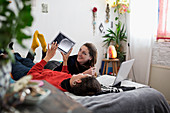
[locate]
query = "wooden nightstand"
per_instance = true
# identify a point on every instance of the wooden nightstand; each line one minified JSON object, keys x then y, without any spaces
{"x":114,"y":65}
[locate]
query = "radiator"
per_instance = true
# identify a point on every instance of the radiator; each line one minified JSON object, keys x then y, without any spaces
{"x":160,"y":79}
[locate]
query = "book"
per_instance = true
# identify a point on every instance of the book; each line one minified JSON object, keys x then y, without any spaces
{"x":64,"y":43}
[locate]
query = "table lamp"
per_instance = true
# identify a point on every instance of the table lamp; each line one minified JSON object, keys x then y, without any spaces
{"x":112,"y":52}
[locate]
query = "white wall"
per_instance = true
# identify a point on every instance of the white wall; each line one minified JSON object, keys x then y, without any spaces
{"x":71,"y":17}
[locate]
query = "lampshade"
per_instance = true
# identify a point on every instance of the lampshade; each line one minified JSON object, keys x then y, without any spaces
{"x":112,"y":51}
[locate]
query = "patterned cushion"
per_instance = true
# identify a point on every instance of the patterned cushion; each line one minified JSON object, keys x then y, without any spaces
{"x":52,"y":64}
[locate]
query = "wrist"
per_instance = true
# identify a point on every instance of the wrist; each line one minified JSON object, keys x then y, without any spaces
{"x":46,"y":59}
{"x":64,"y":63}
{"x":84,"y":72}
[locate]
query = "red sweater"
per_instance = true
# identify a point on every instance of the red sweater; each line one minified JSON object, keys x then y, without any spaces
{"x":53,"y":77}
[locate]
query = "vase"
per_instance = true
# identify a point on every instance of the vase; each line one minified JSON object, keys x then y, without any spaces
{"x":5,"y":70}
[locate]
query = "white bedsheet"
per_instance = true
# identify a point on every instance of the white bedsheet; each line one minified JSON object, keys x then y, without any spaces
{"x":108,"y":80}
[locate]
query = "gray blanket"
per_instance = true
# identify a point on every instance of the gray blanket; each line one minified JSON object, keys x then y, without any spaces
{"x":143,"y":100}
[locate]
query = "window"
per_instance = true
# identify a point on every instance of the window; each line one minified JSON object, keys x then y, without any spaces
{"x":164,"y":20}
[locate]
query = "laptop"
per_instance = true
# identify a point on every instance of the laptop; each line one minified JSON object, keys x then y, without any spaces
{"x":123,"y":72}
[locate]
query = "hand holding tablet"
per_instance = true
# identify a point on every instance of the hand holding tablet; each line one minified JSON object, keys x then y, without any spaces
{"x":64,"y":43}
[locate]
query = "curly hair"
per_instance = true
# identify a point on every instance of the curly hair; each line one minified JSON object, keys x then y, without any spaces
{"x":89,"y":86}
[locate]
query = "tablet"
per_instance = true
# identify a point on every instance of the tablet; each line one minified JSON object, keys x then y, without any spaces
{"x":64,"y":43}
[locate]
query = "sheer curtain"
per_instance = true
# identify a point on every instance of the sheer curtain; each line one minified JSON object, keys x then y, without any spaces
{"x":142,"y":26}
{"x":164,"y":20}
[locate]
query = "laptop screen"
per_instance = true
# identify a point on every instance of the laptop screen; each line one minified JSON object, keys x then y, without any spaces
{"x":124,"y":71}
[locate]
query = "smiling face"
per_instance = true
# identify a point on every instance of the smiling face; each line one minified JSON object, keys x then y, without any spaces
{"x":83,"y":55}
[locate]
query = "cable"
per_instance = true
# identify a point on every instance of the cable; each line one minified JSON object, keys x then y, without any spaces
{"x":130,"y":53}
{"x":132,"y":66}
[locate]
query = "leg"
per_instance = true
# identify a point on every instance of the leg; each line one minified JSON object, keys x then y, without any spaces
{"x":24,"y":61}
{"x":35,"y":42}
{"x":43,"y":42}
{"x":104,"y":67}
{"x":17,"y":56}
{"x":43,"y":54}
{"x":19,"y":70}
{"x":27,"y":62}
{"x":116,"y":63}
{"x":31,"y":55}
{"x":113,"y":67}
{"x":34,"y":45}
{"x":11,"y":45}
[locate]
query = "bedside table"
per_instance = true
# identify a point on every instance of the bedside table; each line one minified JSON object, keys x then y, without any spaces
{"x":114,"y":65}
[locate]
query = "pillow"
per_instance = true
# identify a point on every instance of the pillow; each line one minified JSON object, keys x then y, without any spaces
{"x":52,"y":64}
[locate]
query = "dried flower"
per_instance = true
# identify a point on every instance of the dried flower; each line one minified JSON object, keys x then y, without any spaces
{"x":94,"y":9}
{"x":123,"y":8}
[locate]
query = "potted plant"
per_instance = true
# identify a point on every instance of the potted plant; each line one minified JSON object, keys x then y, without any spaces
{"x":15,"y":18}
{"x":119,"y":35}
{"x":116,"y":37}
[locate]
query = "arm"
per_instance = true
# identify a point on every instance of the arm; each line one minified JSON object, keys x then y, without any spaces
{"x":65,"y":57}
{"x":90,"y":71}
{"x":65,"y":69}
{"x":51,"y":51}
{"x":37,"y":69}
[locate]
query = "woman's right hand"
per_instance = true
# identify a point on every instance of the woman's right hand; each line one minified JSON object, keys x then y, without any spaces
{"x":65,"y":57}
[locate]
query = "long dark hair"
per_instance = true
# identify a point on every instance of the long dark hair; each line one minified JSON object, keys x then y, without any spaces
{"x":93,"y":53}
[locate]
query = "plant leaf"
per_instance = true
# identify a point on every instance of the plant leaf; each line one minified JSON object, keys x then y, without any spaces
{"x":116,"y":18}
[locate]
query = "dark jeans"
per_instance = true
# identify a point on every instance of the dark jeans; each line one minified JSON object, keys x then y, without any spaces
{"x":21,"y":66}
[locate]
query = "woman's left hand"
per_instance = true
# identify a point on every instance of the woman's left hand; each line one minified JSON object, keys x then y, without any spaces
{"x":90,"y":71}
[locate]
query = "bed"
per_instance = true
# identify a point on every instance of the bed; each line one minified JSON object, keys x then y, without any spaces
{"x":141,"y":100}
